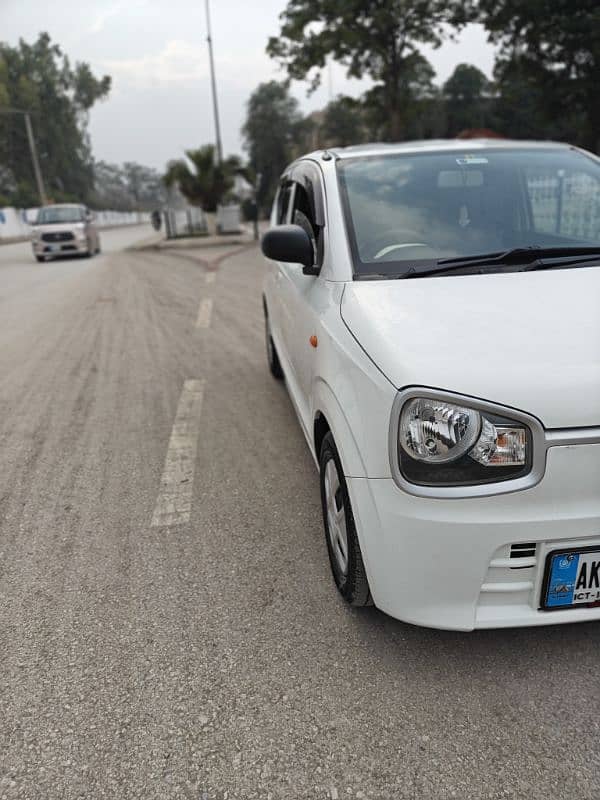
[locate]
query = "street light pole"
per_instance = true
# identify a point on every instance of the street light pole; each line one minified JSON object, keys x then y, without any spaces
{"x":36,"y":163}
{"x":34,"y":156}
{"x":214,"y":86}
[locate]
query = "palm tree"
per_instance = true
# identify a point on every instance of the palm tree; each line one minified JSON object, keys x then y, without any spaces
{"x":200,"y":179}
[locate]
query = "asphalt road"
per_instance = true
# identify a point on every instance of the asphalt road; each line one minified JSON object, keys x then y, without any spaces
{"x":168,"y":625}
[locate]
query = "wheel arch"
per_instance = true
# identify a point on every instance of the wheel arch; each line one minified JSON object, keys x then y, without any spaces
{"x":329,"y":416}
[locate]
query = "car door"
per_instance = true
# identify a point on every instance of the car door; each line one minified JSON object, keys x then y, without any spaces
{"x":274,"y":277}
{"x":302,"y":294}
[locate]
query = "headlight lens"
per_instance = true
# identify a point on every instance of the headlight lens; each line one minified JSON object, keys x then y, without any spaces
{"x":440,"y":442}
{"x":437,"y":432}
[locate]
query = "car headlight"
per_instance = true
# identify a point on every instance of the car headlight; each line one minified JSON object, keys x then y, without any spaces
{"x":442,"y":443}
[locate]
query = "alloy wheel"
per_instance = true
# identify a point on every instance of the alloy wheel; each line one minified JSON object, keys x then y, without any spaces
{"x":336,"y":517}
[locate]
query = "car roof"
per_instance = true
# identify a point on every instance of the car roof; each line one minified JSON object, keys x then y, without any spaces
{"x":438,"y":146}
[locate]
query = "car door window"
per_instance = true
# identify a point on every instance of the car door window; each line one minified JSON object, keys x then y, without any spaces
{"x":303,"y":215}
{"x":283,"y":202}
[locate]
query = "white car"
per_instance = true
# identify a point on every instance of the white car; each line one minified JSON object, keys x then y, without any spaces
{"x":434,"y":308}
{"x":64,"y":229}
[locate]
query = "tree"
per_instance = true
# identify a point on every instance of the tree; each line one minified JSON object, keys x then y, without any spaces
{"x":467,"y":95}
{"x":39,"y":78}
{"x":272,"y":129}
{"x":374,"y":38}
{"x":110,"y":187}
{"x":343,"y":123}
{"x":555,"y":46}
{"x":145,"y":185}
{"x":522,"y":104}
{"x":419,"y":98}
{"x":200,"y":179}
{"x":128,"y":187}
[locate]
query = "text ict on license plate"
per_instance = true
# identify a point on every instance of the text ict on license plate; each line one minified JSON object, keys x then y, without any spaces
{"x":573,"y":579}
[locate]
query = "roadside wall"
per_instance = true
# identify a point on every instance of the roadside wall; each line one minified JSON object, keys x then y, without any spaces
{"x":15,"y":222}
{"x":114,"y":219}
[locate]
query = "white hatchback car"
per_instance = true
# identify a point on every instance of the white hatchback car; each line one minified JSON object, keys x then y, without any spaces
{"x":64,"y":229}
{"x":434,"y":308}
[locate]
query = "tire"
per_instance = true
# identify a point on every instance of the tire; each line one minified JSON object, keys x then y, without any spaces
{"x":340,"y":531}
{"x":88,"y":253}
{"x":98,"y":248}
{"x":272,"y":357}
{"x":40,"y":259}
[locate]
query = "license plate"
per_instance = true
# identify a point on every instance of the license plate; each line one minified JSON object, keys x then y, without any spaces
{"x":54,"y":248}
{"x":572,"y":579}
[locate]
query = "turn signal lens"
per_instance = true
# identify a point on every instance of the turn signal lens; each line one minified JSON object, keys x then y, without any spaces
{"x":500,"y":446}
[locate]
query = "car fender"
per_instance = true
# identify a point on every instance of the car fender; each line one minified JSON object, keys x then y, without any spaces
{"x":326,"y":403}
{"x":353,"y":465}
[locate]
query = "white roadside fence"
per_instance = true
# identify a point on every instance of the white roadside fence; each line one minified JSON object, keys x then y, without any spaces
{"x":190,"y":221}
{"x":15,"y":223}
{"x":229,"y":219}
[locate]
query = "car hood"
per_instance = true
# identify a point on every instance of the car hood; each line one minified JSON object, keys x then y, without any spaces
{"x":58,"y":227}
{"x":529,"y":340}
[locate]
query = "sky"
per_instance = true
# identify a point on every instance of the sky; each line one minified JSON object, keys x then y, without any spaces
{"x":156,"y":52}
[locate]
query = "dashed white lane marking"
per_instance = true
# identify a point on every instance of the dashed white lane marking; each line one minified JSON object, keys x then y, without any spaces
{"x":204,"y":313}
{"x":174,"y":502}
{"x":211,"y":277}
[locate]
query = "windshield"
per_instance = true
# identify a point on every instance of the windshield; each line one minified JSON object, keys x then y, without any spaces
{"x":48,"y":216}
{"x":405,"y":211}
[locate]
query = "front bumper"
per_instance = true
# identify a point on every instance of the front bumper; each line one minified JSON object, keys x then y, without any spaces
{"x":50,"y":249}
{"x":445,"y":563}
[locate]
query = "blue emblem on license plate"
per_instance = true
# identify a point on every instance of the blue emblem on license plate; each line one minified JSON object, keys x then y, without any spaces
{"x":562,"y":579}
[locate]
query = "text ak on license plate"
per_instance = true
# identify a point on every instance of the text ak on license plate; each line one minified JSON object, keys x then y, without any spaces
{"x":572,"y":579}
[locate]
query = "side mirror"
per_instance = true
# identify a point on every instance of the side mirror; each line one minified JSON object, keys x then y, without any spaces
{"x":289,"y":243}
{"x":90,"y":216}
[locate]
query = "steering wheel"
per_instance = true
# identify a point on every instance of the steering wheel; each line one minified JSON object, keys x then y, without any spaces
{"x":389,"y":239}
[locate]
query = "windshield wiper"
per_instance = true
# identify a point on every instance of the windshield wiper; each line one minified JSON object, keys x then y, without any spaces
{"x":564,"y":261}
{"x":532,"y":257}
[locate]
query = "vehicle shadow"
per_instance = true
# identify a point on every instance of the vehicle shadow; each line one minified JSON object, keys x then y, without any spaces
{"x":512,"y":647}
{"x":66,"y":257}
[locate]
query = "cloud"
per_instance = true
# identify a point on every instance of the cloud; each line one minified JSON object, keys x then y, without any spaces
{"x":102,"y":17}
{"x":178,"y":62}
{"x":113,"y":10}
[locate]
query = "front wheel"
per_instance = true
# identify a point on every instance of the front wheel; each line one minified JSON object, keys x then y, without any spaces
{"x":40,"y":259}
{"x":345,"y":556}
